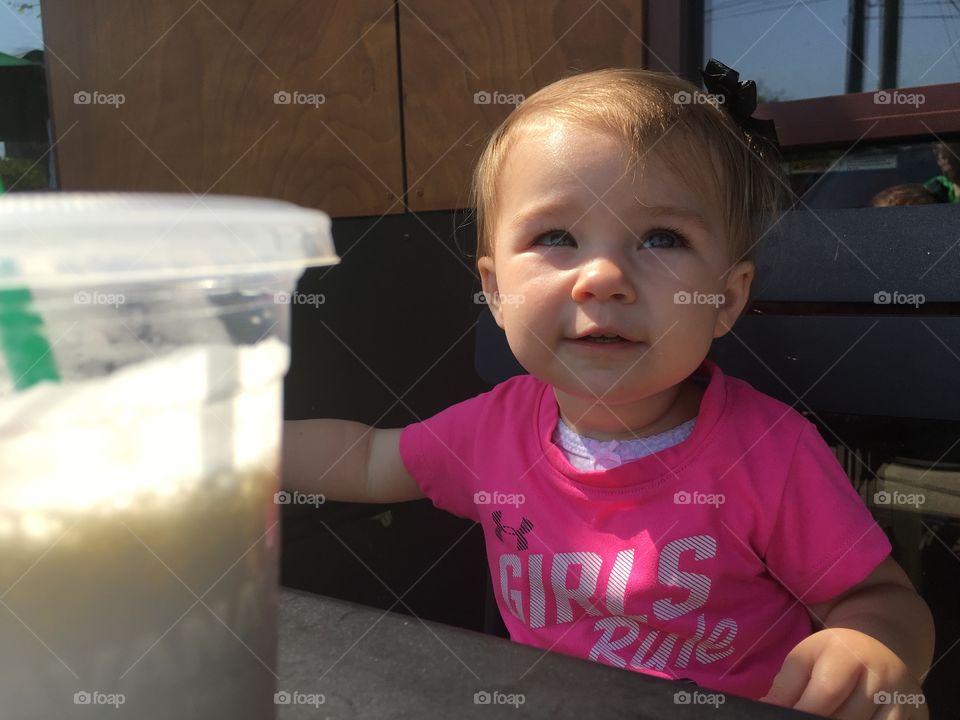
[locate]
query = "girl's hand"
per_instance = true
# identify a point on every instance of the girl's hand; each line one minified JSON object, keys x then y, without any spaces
{"x":844,"y":673}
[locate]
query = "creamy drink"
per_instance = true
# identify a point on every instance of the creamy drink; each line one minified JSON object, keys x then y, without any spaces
{"x":143,"y":344}
{"x":138,"y":540}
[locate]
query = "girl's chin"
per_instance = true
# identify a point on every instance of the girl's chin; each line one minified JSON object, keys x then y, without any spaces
{"x":604,"y":390}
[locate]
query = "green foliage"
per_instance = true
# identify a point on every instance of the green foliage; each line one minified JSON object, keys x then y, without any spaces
{"x":766,"y":95}
{"x":17,"y":174}
{"x":23,"y":7}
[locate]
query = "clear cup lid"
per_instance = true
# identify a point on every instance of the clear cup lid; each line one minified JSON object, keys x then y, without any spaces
{"x":60,"y":239}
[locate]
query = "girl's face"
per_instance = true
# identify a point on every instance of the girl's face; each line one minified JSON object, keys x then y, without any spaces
{"x":581,"y":243}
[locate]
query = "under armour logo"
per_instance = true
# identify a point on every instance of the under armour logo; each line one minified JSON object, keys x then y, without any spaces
{"x":525,"y":527}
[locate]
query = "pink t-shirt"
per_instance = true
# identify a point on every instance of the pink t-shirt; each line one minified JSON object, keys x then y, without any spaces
{"x":686,"y":563}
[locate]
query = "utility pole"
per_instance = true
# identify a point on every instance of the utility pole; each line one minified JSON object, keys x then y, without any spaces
{"x":889,"y":43}
{"x":855,"y":44}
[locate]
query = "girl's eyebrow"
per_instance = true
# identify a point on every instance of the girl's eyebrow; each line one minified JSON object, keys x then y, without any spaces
{"x":675,"y":211}
{"x":549,"y":209}
{"x":552,"y":209}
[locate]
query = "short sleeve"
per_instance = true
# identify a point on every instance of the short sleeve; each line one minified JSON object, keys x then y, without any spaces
{"x":823,"y":539}
{"x":439,"y":453}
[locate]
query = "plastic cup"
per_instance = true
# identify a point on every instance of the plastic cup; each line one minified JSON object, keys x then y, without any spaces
{"x":139,"y":531}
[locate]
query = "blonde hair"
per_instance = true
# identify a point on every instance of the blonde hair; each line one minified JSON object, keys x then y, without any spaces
{"x":708,"y":150}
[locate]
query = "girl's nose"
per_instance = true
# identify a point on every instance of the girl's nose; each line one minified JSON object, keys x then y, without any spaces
{"x":602,"y":279}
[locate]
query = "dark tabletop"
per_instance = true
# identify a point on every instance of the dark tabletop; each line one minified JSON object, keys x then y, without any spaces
{"x":340,"y":660}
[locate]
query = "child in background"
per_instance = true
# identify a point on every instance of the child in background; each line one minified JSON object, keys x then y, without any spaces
{"x":640,"y":508}
{"x":946,"y":187}
{"x":906,"y":194}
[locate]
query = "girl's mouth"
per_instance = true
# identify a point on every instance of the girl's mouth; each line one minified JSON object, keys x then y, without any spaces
{"x":602,"y":339}
{"x":604,"y":344}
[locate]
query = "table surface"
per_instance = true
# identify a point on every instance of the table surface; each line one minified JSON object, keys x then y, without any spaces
{"x":370,"y":663}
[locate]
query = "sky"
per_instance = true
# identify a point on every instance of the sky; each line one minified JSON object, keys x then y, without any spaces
{"x":19,"y":32}
{"x":797,"y":49}
{"x":794,"y":48}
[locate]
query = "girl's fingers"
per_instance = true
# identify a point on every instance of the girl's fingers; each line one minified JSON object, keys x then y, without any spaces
{"x":860,"y":705}
{"x":790,"y":682}
{"x":833,"y":680}
{"x":890,"y":712}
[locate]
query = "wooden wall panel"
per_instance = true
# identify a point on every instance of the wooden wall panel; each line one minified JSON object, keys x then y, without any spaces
{"x":199,"y":79}
{"x":450,"y":51}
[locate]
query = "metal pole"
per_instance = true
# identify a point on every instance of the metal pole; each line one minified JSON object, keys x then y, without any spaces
{"x":889,"y":44}
{"x":857,"y":15}
{"x":695,"y":37}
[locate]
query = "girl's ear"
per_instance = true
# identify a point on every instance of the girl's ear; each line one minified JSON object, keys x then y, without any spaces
{"x":736,"y":294}
{"x":488,"y":281}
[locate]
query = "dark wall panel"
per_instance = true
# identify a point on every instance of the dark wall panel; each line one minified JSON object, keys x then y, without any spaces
{"x":397,"y":320}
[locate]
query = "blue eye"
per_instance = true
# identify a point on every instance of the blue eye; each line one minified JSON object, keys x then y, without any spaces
{"x":674,"y":236}
{"x":663,"y":238}
{"x":553,"y":234}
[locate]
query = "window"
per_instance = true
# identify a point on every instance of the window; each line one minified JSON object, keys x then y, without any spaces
{"x":882,"y":175}
{"x":798,"y":50}
{"x":802,"y":56}
{"x":25,"y":160}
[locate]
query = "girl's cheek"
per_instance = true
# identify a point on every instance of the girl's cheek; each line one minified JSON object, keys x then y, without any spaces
{"x":663,"y":280}
{"x":678,"y":274}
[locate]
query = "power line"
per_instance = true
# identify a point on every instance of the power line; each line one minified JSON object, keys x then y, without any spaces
{"x":953,"y":45}
{"x":714,"y":7}
{"x":749,"y":7}
{"x":917,"y":17}
{"x":765,"y":8}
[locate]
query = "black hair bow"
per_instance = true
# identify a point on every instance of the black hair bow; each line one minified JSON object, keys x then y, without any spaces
{"x":738,"y":98}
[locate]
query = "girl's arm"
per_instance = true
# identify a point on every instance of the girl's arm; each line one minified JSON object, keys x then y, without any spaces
{"x":887,"y":607}
{"x":870,"y":656}
{"x":345,"y":461}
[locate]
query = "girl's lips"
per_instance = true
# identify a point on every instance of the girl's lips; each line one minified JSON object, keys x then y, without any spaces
{"x":602,"y":331}
{"x":594,"y":346}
